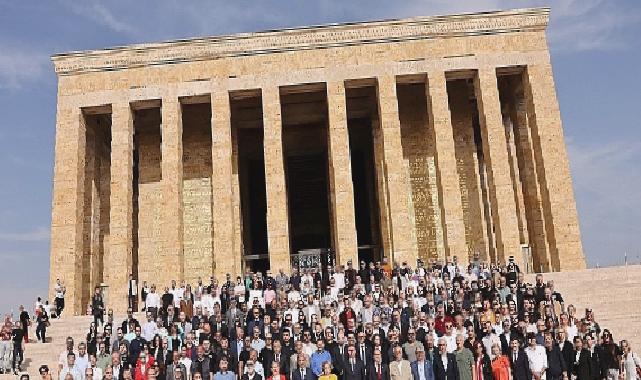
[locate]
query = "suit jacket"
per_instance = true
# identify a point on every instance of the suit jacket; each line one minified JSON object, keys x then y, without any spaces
{"x":308,"y":374}
{"x":372,"y":375}
{"x":583,"y":368}
{"x":357,"y":373}
{"x":369,"y":355}
{"x":429,"y":372}
{"x":505,"y":344}
{"x":568,"y":354}
{"x":439,"y":371}
{"x":595,"y":365}
{"x":520,"y":368}
{"x":404,"y":373}
{"x":270,"y":357}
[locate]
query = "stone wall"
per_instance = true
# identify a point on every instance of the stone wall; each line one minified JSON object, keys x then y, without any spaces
{"x":149,"y":212}
{"x":418,"y":150}
{"x":467,"y":165}
{"x":197,"y":195}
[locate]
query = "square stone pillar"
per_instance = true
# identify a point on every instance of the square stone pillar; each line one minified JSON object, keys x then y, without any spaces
{"x":559,"y":205}
{"x":404,"y":247}
{"x":340,"y":176}
{"x":67,"y":208}
{"x":172,"y":193}
{"x":226,"y":260}
{"x":275,"y":183}
{"x":118,"y":265}
{"x":449,"y":190}
{"x":500,"y":187}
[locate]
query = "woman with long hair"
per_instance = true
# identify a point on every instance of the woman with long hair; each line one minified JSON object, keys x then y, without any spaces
{"x":631,"y":363}
{"x":482,"y":364}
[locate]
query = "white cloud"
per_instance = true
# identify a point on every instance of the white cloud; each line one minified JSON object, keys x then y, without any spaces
{"x":20,"y":66}
{"x":98,"y":12}
{"x":38,"y":234}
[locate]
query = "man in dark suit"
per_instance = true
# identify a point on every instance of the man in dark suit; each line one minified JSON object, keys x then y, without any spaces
{"x":567,"y":350}
{"x":440,"y":372}
{"x":421,"y":368}
{"x":519,"y":362}
{"x":556,"y":368}
{"x":505,"y":337}
{"x":302,"y":372}
{"x":581,"y":363}
{"x":363,"y":350}
{"x":377,"y":370}
{"x":276,"y":355}
{"x":354,"y":367}
{"x":595,"y":359}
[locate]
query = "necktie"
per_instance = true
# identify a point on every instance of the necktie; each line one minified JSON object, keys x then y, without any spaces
{"x":363,"y":353}
{"x":352,"y":365}
{"x":515,"y":357}
{"x":302,"y":373}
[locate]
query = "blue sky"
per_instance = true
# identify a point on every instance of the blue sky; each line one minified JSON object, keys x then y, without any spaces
{"x":596,"y":56}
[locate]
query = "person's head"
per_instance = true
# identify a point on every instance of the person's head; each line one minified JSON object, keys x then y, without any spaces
{"x":138,"y":331}
{"x":496,"y":350}
{"x":442,"y":346}
{"x":82,"y":349}
{"x":224,"y":363}
{"x":71,"y":359}
{"x":275,"y":368}
{"x":301,"y":360}
{"x":68,"y":376}
{"x":69,"y":343}
{"x":178,"y":372}
{"x":548,"y":341}
{"x":43,"y":370}
{"x":320,"y":345}
{"x":531,"y":339}
{"x":197,"y":375}
{"x":420,"y":353}
{"x":625,"y":346}
{"x":515,"y":345}
{"x":89,"y":373}
{"x":460,"y":341}
{"x":351,"y":351}
{"x":327,"y":368}
{"x":108,"y":373}
{"x":398,"y":353}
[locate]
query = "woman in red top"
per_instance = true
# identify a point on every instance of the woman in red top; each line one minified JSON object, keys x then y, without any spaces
{"x":276,"y":375}
{"x":143,"y":365}
{"x":500,"y":364}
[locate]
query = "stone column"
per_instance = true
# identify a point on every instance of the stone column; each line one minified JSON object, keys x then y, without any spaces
{"x":67,"y":208}
{"x":275,"y":184}
{"x":118,"y":265}
{"x":448,"y":178}
{"x":501,"y":190}
{"x":172,"y":193}
{"x":404,"y":247}
{"x":225,"y":259}
{"x":559,"y":205}
{"x":340,"y":176}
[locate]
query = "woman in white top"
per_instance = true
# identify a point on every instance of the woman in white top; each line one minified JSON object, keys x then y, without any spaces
{"x":630,"y":361}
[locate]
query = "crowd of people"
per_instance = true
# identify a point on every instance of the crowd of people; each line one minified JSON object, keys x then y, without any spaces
{"x":437,"y":321}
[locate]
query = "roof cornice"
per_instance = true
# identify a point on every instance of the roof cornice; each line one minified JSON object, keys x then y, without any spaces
{"x":303,"y":38}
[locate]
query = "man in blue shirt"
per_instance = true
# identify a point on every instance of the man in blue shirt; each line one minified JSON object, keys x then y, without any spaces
{"x":223,"y":373}
{"x":319,"y":357}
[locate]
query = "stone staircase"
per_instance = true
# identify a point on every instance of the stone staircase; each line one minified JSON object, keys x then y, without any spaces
{"x":613,"y":293}
{"x":37,"y":353}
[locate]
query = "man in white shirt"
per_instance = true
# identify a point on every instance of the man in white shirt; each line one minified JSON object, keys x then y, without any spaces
{"x":71,"y":368}
{"x":132,"y":294}
{"x":153,"y":301}
{"x":62,"y":359}
{"x":82,"y":359}
{"x":97,"y":371}
{"x":149,"y":328}
{"x":537,"y":357}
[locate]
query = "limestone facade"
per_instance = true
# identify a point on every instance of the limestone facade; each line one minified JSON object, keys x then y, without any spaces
{"x":428,"y":137}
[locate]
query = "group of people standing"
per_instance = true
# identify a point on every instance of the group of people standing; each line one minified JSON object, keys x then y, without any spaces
{"x":440,"y":321}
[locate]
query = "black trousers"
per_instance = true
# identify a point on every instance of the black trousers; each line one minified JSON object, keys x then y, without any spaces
{"x":17,"y":356}
{"x":41,"y":330}
{"x":133,"y":302}
{"x":98,"y":316}
{"x":60,"y":305}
